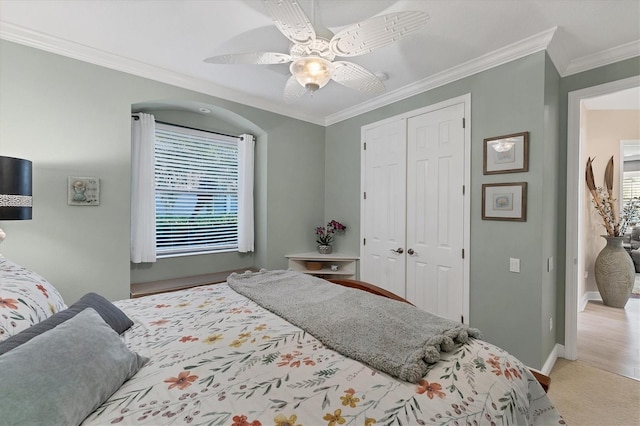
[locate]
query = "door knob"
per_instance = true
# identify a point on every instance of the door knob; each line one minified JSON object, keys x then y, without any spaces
{"x":399,"y":250}
{"x":411,"y":252}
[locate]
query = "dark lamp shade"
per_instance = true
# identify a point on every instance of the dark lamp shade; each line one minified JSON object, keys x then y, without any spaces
{"x":15,"y":189}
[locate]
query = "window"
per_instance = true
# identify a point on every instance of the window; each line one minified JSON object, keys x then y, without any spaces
{"x":630,"y":186}
{"x":630,"y":190}
{"x":196,"y":180}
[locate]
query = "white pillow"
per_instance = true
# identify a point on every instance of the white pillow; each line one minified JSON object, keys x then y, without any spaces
{"x":25,"y":298}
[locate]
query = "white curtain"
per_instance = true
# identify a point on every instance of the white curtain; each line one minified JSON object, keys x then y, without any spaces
{"x":143,"y":196}
{"x":245,"y":193}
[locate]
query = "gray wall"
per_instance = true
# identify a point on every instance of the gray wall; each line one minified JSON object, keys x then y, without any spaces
{"x":507,"y":307}
{"x":73,"y":118}
{"x":550,"y":221}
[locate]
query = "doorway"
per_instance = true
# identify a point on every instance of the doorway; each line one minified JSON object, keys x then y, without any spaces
{"x":575,"y":267}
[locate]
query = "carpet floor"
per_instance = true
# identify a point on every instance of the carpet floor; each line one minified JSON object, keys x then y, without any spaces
{"x":585,"y":395}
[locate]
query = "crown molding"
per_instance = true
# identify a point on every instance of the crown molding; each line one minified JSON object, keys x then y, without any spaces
{"x":24,"y":36}
{"x":557,"y":52}
{"x":493,"y":59}
{"x":546,"y":40}
{"x":606,"y":57}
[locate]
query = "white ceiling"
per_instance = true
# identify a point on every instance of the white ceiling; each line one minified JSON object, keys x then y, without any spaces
{"x":168,"y":40}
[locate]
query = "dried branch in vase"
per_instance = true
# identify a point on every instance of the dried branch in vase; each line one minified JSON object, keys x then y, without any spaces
{"x":605,"y":203}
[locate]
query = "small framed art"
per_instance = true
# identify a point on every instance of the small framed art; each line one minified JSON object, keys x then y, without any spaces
{"x":506,"y":154}
{"x":504,"y":201}
{"x":83,"y":191}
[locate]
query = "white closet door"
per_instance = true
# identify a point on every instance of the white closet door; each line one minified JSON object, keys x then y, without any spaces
{"x":435,"y":211}
{"x":384,"y":207}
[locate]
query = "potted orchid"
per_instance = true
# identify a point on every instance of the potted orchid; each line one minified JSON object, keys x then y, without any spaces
{"x":325,"y":235}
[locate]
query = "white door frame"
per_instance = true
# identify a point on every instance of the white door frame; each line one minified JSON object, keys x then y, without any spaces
{"x":466,"y":99}
{"x":574,"y":261}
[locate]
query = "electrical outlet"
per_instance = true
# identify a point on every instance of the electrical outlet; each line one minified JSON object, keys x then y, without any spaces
{"x":550,"y":264}
{"x":514,"y":265}
{"x":550,"y":323}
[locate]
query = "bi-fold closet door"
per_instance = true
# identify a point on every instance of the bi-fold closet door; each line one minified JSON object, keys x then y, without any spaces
{"x":413,"y":209}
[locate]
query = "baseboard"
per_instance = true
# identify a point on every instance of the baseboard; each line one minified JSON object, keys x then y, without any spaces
{"x":587,"y":297}
{"x":557,"y":352}
{"x":583,"y":302}
{"x":594,"y":295}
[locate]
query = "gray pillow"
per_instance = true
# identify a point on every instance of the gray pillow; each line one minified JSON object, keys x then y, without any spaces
{"x":63,"y":375}
{"x":109,"y":312}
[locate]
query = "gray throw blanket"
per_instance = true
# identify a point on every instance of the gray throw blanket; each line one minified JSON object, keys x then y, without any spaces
{"x":386,"y":334}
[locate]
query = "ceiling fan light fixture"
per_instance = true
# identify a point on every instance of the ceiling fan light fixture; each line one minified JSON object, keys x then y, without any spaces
{"x":314,"y":50}
{"x":312,"y":72}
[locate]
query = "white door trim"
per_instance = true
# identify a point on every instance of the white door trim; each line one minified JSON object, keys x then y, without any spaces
{"x":575,"y":197}
{"x":466,"y":99}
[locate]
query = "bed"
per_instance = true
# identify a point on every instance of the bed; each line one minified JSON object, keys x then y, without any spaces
{"x":212,"y":356}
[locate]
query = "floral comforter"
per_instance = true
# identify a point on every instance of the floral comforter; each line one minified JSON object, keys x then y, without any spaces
{"x":217,"y":358}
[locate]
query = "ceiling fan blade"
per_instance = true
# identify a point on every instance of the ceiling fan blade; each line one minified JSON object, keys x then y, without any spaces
{"x":291,"y":20}
{"x":356,"y":77}
{"x":376,"y":32}
{"x":293,"y":90}
{"x":257,"y":58}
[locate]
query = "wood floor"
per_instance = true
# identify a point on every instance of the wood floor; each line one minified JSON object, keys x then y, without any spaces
{"x":609,"y":338}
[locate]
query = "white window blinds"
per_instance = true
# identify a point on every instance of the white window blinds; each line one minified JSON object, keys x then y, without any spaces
{"x":196,"y":176}
{"x":630,"y":186}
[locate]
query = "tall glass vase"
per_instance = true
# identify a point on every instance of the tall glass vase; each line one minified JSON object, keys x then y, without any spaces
{"x":615,"y":273}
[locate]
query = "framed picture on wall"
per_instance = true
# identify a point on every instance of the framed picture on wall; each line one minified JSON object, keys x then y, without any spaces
{"x":504,"y":201}
{"x":83,"y":191}
{"x":506,"y":154}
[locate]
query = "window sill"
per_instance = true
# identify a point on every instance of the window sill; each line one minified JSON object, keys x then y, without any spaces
{"x":175,"y":284}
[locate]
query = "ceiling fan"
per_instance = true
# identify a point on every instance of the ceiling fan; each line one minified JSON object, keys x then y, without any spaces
{"x":312,"y":56}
